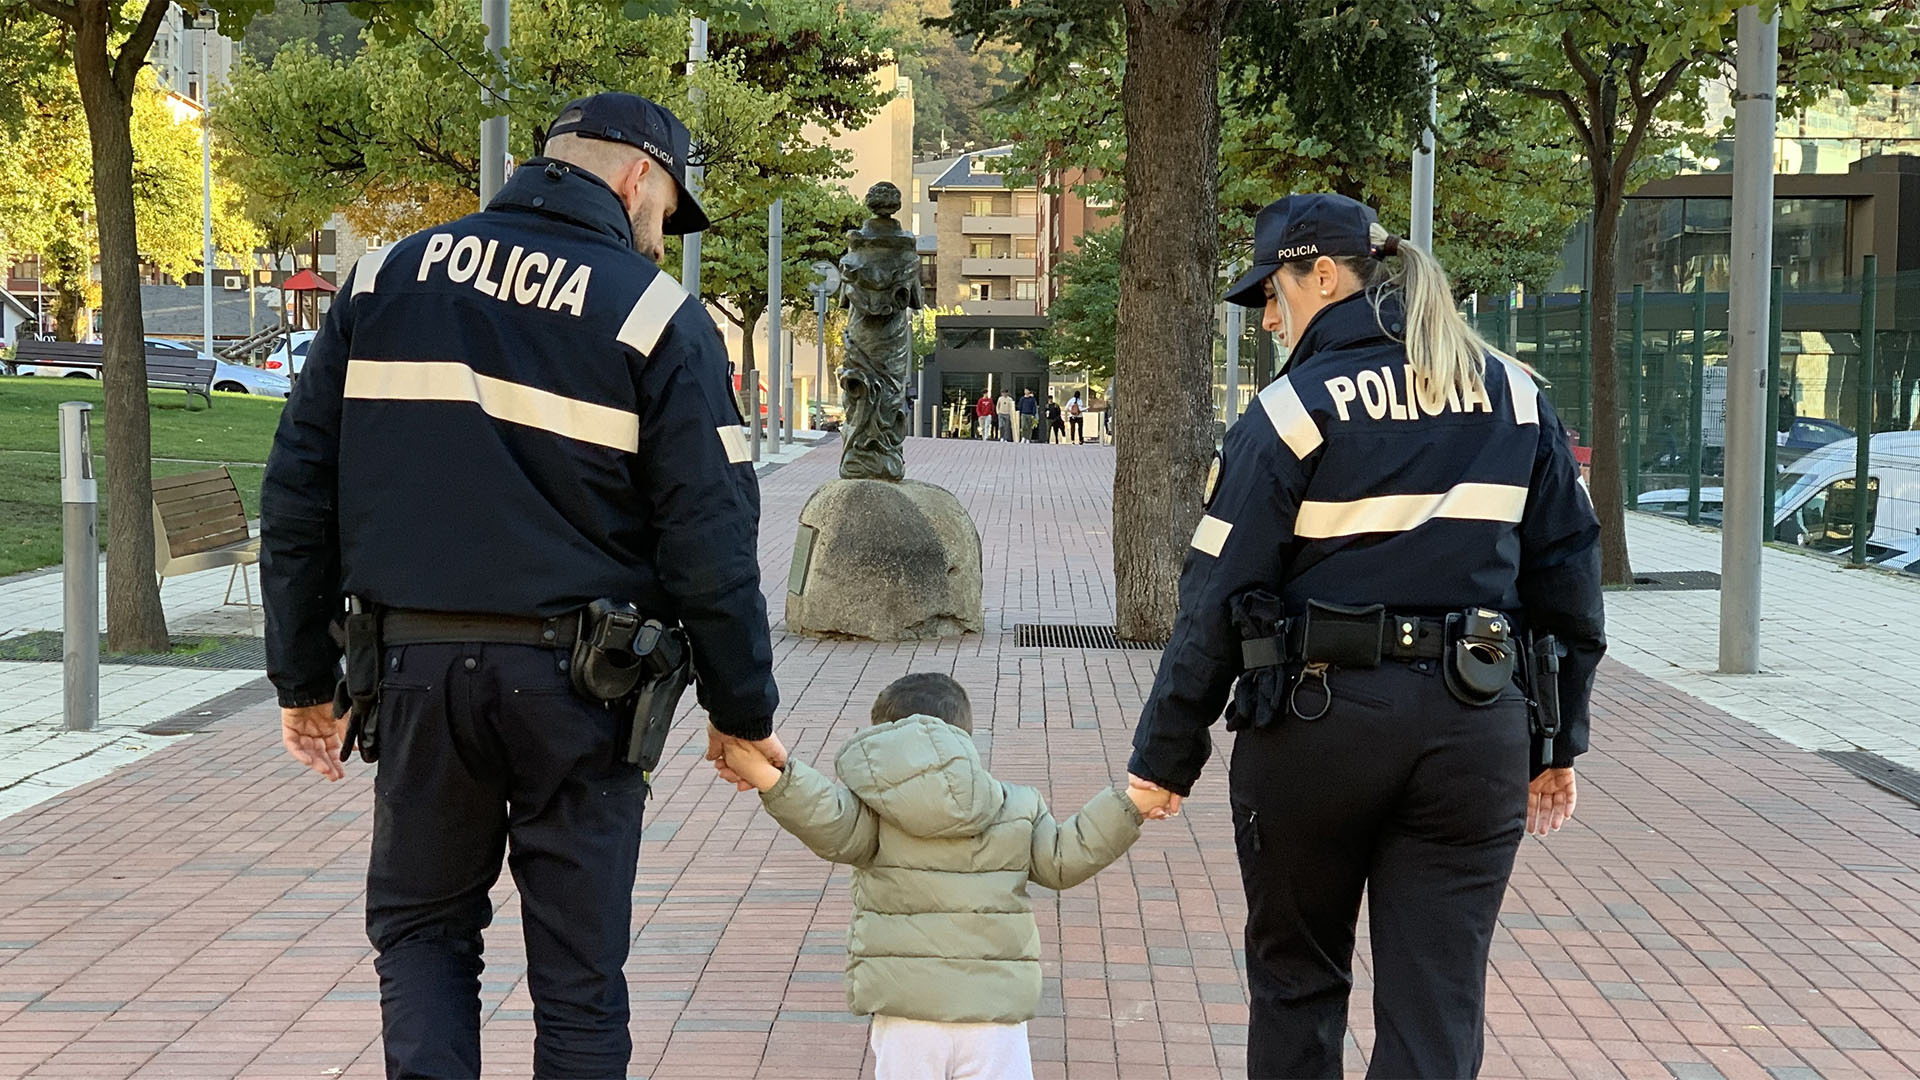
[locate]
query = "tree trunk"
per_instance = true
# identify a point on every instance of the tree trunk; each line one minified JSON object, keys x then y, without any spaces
{"x":1164,"y":323}
{"x":1609,"y":490}
{"x":135,"y":619}
{"x":749,"y":375}
{"x":68,"y":308}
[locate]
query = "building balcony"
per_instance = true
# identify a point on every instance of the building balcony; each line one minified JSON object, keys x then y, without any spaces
{"x":1001,"y":266}
{"x":1000,"y":307}
{"x":999,"y":225}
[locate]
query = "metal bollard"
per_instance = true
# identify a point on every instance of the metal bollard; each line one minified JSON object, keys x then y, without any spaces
{"x":80,"y":506}
{"x":754,"y":424}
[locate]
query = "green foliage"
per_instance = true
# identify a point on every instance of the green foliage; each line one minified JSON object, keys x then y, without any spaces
{"x":1080,"y":331}
{"x":328,"y":28}
{"x":390,"y":135}
{"x":815,"y":219}
{"x":954,"y":82}
{"x":46,"y":193}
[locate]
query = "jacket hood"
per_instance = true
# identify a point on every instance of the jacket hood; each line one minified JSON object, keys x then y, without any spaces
{"x":923,"y":776}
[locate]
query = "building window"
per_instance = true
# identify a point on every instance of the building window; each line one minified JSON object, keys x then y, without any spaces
{"x":919,"y":192}
{"x":982,"y":206}
{"x":980,"y":249}
{"x":979,"y":290}
{"x":1026,"y":289}
{"x":1023,"y":247}
{"x":1026,"y":204}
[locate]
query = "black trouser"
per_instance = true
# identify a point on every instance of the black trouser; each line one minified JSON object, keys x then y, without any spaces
{"x":485,"y":751}
{"x":1059,"y":431}
{"x":1403,"y":791}
{"x":1078,"y":424}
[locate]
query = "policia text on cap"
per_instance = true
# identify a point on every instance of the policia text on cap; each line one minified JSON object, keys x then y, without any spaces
{"x":1399,"y":565}
{"x":513,"y":471}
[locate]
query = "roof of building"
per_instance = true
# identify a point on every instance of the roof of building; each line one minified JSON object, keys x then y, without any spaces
{"x":19,"y":306}
{"x":962,"y":174}
{"x":174,"y":311}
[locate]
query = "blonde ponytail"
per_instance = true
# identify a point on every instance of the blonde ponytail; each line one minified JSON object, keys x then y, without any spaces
{"x":1447,"y":355}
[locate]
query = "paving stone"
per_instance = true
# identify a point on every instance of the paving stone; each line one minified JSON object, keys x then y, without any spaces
{"x":1716,"y":878}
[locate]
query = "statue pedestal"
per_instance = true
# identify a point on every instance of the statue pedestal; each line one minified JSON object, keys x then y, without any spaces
{"x":883,"y":561}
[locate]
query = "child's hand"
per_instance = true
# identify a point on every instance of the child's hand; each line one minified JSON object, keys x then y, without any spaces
{"x":1147,"y":800}
{"x":751,"y":764}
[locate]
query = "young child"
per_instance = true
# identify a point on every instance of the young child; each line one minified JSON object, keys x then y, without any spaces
{"x":943,"y":951}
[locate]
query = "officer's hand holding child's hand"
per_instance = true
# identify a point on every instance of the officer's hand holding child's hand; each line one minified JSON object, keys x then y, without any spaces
{"x":1154,"y":801}
{"x":312,"y":734}
{"x":1151,"y":802}
{"x":1550,"y":801}
{"x":749,"y":762}
{"x":770,"y":748}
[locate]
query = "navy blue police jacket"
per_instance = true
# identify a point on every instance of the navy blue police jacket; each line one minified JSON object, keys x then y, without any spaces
{"x":517,"y":414}
{"x":1338,"y":485}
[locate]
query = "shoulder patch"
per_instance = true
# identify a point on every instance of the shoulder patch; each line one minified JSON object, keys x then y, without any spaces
{"x":1290,"y":418}
{"x":651,"y":313}
{"x":366,"y":272}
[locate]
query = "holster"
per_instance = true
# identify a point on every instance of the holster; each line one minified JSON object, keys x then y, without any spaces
{"x":358,"y":695}
{"x":638,"y":666}
{"x":1260,"y":696}
{"x":668,"y":661}
{"x":1541,"y":653}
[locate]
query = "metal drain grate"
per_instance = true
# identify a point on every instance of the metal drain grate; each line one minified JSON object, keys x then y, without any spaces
{"x":1074,"y":636}
{"x":213,"y":652}
{"x":1878,"y":771}
{"x":1677,"y":581}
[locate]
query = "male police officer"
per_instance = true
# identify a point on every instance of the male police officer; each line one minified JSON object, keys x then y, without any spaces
{"x":504,"y":420}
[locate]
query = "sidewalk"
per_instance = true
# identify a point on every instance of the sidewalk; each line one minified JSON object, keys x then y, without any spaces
{"x":1727,"y":906}
{"x":1837,"y":645}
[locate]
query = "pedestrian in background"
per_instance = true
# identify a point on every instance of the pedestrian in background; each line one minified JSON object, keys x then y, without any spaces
{"x":1006,"y":415}
{"x":1376,"y":545}
{"x":1029,"y":409}
{"x":1076,"y":419}
{"x":983,"y":416}
{"x":1057,"y":430}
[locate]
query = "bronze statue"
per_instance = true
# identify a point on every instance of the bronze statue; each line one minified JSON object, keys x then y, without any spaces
{"x":880,"y":277}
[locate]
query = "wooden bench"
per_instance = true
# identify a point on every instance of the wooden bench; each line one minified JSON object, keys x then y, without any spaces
{"x":167,"y":369}
{"x":199,"y":523}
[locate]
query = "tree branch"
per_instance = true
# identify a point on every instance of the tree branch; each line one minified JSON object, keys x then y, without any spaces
{"x":1570,"y":107}
{"x":1643,"y":108}
{"x":133,"y":53}
{"x":66,"y":13}
{"x":1579,"y":62}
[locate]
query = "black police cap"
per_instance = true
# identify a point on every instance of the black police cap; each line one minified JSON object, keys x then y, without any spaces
{"x":1303,"y":227}
{"x":637,"y":122}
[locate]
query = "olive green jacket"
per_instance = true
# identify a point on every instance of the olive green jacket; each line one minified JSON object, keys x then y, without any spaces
{"x":942,"y":853}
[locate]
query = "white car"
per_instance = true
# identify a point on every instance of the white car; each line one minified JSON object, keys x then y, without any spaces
{"x":1813,"y":504}
{"x":290,"y":355}
{"x":227,"y":378}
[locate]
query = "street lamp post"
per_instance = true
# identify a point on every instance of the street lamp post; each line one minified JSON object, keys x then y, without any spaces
{"x":204,"y":21}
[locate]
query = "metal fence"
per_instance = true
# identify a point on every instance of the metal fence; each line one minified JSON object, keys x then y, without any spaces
{"x":1843,"y":403}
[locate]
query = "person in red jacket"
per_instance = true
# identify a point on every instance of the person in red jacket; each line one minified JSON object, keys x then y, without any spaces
{"x":983,"y":415}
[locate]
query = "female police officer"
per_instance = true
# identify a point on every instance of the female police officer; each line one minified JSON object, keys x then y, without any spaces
{"x":1389,"y":526}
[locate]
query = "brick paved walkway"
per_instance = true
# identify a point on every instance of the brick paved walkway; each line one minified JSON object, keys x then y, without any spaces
{"x":1727,"y":906}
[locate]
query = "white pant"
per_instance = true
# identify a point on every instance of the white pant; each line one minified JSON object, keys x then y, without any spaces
{"x":928,"y":1050}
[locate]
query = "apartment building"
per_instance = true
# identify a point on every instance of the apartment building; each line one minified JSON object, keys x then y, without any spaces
{"x":987,"y":238}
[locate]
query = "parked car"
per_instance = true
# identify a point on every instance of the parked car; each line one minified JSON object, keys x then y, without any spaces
{"x":1813,"y":505}
{"x":290,"y":355}
{"x":227,"y":378}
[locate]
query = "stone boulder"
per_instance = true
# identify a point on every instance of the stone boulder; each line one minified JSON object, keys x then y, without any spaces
{"x":882,"y":560}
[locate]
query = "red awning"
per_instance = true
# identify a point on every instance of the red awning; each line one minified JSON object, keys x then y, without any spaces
{"x":308,"y":281}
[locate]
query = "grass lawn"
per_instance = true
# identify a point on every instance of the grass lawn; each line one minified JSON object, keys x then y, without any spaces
{"x":236,"y":432}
